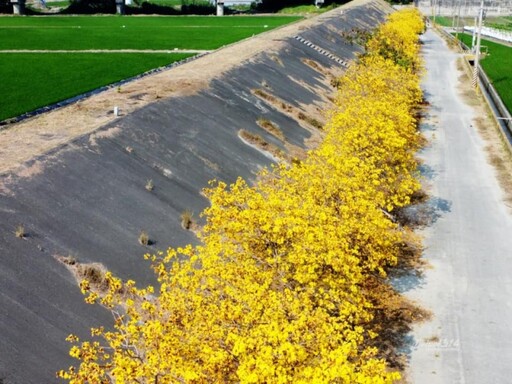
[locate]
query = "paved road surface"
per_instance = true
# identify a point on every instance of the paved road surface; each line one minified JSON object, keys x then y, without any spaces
{"x":469,"y":287}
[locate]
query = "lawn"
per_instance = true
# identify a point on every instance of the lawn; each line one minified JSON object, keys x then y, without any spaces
{"x":498,"y":66}
{"x":33,"y":80}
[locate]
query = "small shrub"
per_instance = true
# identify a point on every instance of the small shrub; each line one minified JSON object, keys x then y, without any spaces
{"x":20,"y":231}
{"x":187,"y":219}
{"x":144,"y":238}
{"x":149,"y":185}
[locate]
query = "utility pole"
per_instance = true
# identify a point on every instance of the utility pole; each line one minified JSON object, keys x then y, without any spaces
{"x":478,"y":37}
{"x":455,"y":6}
{"x":473,"y":40}
{"x":458,"y":21}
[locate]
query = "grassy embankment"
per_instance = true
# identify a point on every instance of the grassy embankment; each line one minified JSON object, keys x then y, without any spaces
{"x":33,"y":80}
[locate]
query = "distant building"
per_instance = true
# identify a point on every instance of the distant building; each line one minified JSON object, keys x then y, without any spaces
{"x":468,"y":7}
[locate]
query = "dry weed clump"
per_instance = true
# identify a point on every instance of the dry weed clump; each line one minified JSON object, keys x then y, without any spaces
{"x":277,"y":60}
{"x":272,"y":100}
{"x":94,"y":275}
{"x":310,"y":120}
{"x":264,"y":95}
{"x":313,"y":64}
{"x":187,"y":219}
{"x":271,"y":128}
{"x":144,"y":238}
{"x":261,"y":144}
{"x":19,"y":232}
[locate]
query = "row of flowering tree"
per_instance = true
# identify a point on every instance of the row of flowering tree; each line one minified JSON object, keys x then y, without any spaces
{"x":284,"y":286}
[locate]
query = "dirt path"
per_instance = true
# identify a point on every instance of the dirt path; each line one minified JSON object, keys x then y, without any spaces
{"x":469,"y":285}
{"x":23,"y":141}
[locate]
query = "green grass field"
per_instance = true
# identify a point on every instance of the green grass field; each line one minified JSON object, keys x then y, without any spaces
{"x":443,"y":21}
{"x":503,"y":23}
{"x":499,"y":22}
{"x":33,"y":80}
{"x":497,"y":65}
{"x":42,"y":79}
{"x":115,"y":32}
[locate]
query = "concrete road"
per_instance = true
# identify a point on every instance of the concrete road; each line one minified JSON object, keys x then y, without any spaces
{"x":469,"y":247}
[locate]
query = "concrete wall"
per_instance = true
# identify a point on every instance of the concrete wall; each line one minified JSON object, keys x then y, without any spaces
{"x":88,"y":198}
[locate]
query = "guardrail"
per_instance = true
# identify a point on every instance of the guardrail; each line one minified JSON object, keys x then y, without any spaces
{"x":501,"y":113}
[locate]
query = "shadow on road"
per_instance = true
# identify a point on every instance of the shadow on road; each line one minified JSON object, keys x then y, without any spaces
{"x":425,"y":213}
{"x":427,"y":172}
{"x":407,"y":280}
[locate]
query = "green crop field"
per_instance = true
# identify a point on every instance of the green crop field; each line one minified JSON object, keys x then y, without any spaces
{"x":34,"y":79}
{"x":443,"y":21}
{"x":500,"y":22}
{"x":504,"y":23}
{"x":114,"y":32}
{"x":498,"y":66}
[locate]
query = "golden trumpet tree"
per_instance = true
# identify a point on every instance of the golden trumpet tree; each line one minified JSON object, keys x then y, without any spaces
{"x":393,"y":39}
{"x":278,"y":290}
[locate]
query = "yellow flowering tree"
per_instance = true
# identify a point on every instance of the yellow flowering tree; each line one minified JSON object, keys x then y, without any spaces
{"x":284,"y":287}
